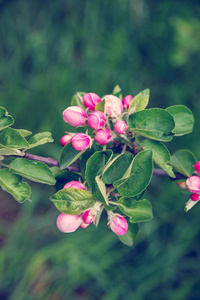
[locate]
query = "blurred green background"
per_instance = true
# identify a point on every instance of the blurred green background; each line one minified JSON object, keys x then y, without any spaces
{"x":51,"y":49}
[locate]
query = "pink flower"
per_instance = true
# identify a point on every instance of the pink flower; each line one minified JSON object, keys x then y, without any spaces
{"x":90,"y":100}
{"x":89,"y":216}
{"x":97,"y":120}
{"x":81,"y":141}
{"x":126,"y":101}
{"x":193,"y":184}
{"x":84,"y":225}
{"x":197,"y":167}
{"x":65,"y":139}
{"x":68,"y":223}
{"x":103,"y":136}
{"x":75,"y":116}
{"x":120,"y":127}
{"x":74,"y":184}
{"x":113,"y":106}
{"x":118,"y":224}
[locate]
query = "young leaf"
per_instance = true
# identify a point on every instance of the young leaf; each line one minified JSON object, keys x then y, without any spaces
{"x":183,"y":117}
{"x":100,"y":106}
{"x":183,"y":161}
{"x":129,"y":238}
{"x":102,"y":188}
{"x":140,"y":176}
{"x":40,"y":139}
{"x":76,"y":99}
{"x":14,"y":185}
{"x":138,"y":211}
{"x":10,"y":151}
{"x":117,"y":92}
{"x":94,"y":167}
{"x":12,"y":138}
{"x":5,"y":119}
{"x":24,"y":132}
{"x":69,"y":155}
{"x":86,"y":155}
{"x":72,"y":201}
{"x":139,"y":102}
{"x":116,"y":168}
{"x":33,"y":170}
{"x":161,"y":155}
{"x":155,"y":123}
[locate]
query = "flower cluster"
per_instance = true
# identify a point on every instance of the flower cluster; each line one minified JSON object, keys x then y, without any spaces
{"x":193,"y":186}
{"x":101,"y":122}
{"x":69,"y":223}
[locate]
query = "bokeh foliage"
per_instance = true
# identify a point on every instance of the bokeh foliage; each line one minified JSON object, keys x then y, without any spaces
{"x":51,"y":49}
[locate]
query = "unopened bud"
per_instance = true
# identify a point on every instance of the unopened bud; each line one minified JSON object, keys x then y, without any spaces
{"x":118,"y":224}
{"x":194,"y":197}
{"x":81,"y":141}
{"x":68,"y":223}
{"x":113,"y":106}
{"x":193,"y":184}
{"x":84,"y":225}
{"x":120,"y":127}
{"x":197,"y":167}
{"x":103,"y":136}
{"x":97,"y":120}
{"x":74,"y":184}
{"x":126,"y":101}
{"x":90,"y":100}
{"x":89,"y":215}
{"x":65,"y":139}
{"x":75,"y":116}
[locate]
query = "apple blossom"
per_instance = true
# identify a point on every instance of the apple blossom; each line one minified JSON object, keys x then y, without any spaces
{"x":81,"y":141}
{"x":90,"y":100}
{"x":65,"y":139}
{"x":97,"y":120}
{"x":118,"y":224}
{"x":127,"y":100}
{"x":193,"y":184}
{"x":74,"y":184}
{"x":197,"y":167}
{"x":120,"y":127}
{"x":68,"y":223}
{"x":75,"y":116}
{"x":113,"y":106}
{"x":103,"y":136}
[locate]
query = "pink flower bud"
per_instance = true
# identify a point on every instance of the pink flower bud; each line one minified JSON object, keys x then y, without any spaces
{"x":89,"y":216}
{"x":194,"y":197}
{"x":197,"y":167}
{"x":90,"y":100}
{"x":193,"y":184}
{"x":97,"y":120}
{"x":81,"y":141}
{"x":127,"y":100}
{"x":65,"y":139}
{"x":68,"y":223}
{"x":103,"y":136}
{"x":120,"y":127}
{"x":84,"y":225}
{"x":74,"y":115}
{"x":113,"y":106}
{"x":118,"y":224}
{"x":74,"y":184}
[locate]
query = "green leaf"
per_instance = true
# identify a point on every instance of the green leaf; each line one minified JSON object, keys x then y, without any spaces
{"x":24,"y":132}
{"x":137,"y":211}
{"x":140,"y":176}
{"x":69,"y":155}
{"x":5,"y":119}
{"x":77,"y":99}
{"x":116,"y":168}
{"x":12,"y":138}
{"x":183,"y":161}
{"x":129,"y":238}
{"x":139,"y":102}
{"x":100,"y":106}
{"x":161,"y":155}
{"x":86,"y":155}
{"x":33,"y":170}
{"x":10,"y":151}
{"x":14,"y":185}
{"x":40,"y":139}
{"x":183,"y":117}
{"x":102,"y":188}
{"x":155,"y":123}
{"x":94,"y":168}
{"x":117,"y":92}
{"x":72,"y":201}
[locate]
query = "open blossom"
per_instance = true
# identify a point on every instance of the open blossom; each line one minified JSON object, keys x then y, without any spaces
{"x":120,"y":127}
{"x":75,"y":116}
{"x":74,"y":184}
{"x":68,"y":223}
{"x":97,"y":120}
{"x":113,"y":106}
{"x":118,"y":224}
{"x":81,"y":141}
{"x":90,"y":100}
{"x":127,"y":100}
{"x":65,"y":139}
{"x":103,"y":136}
{"x":193,"y":184}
